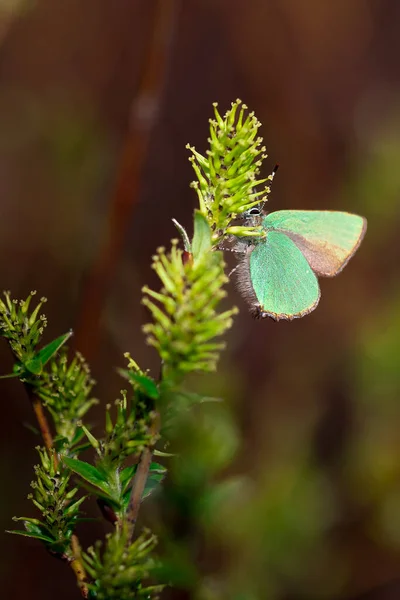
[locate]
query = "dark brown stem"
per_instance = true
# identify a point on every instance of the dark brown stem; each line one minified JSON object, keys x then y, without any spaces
{"x":143,"y":116}
{"x":139,"y":481}
{"x":138,"y":486}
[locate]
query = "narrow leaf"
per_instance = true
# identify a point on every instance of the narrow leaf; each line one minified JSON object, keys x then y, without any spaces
{"x":185,"y":237}
{"x":36,"y":536}
{"x":145,"y":384}
{"x":126,"y":476}
{"x":157,"y":468}
{"x":94,"y":442}
{"x":88,"y":473}
{"x":164,"y":454}
{"x":36,"y":527}
{"x":152,"y":483}
{"x":9,"y":376}
{"x":72,"y":508}
{"x":36,"y":364}
{"x":201,"y":237}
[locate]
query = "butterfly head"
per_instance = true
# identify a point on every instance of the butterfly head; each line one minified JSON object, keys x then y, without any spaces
{"x":253,"y":217}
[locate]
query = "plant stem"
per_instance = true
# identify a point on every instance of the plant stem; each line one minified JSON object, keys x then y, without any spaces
{"x":77,"y":566}
{"x":42,"y":422}
{"x":138,"y":486}
{"x":139,"y":481}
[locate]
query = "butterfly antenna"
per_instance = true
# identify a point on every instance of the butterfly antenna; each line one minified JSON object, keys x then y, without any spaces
{"x":274,"y":170}
{"x":271,"y":178}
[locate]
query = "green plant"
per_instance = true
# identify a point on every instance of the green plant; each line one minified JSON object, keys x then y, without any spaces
{"x":185,"y":327}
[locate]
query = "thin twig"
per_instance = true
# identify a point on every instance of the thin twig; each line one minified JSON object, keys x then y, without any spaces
{"x":139,"y":481}
{"x":42,"y":420}
{"x":77,"y":566}
{"x":138,"y":486}
{"x":144,"y":111}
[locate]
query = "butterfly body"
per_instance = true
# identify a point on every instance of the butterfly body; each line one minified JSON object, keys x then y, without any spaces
{"x":278,"y":273}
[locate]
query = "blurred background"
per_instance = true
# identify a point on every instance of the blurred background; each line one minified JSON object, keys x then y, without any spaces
{"x":297,"y":489}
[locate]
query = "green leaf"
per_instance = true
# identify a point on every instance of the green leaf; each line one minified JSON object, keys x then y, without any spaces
{"x":126,"y":476}
{"x":185,"y":237}
{"x":59,"y":442}
{"x":9,"y":375}
{"x":78,"y":435}
{"x":72,"y":508}
{"x":88,"y":473}
{"x":93,"y":441}
{"x":35,"y":526}
{"x":152,"y":483}
{"x":35,"y":529}
{"x":156,"y":472}
{"x":157,"y":468}
{"x":163,"y":454}
{"x":36,"y":364}
{"x":37,"y":536}
{"x":202,"y":236}
{"x":145,"y":384}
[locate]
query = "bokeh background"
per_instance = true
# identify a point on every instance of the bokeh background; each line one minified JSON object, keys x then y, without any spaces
{"x":97,"y":100}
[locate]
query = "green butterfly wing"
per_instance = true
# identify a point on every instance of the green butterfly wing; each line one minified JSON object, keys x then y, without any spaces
{"x":277,"y":280}
{"x":328,"y":239}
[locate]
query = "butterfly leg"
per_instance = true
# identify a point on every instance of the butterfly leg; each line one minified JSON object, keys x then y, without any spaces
{"x":225,"y":249}
{"x":238,"y":253}
{"x":232,"y":270}
{"x":236,"y":250}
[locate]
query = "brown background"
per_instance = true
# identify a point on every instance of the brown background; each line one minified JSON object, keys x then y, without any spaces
{"x":316,"y":399}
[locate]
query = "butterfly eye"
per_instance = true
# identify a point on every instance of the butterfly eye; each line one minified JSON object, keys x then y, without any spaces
{"x":253,"y":212}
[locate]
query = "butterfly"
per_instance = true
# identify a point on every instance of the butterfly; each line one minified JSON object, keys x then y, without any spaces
{"x":277,"y":274}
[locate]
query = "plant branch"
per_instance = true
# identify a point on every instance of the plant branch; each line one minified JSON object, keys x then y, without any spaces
{"x":77,"y":566}
{"x":42,"y":421}
{"x":139,"y":482}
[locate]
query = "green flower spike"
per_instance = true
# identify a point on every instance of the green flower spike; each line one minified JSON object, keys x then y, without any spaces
{"x":119,"y":572}
{"x":65,"y":390}
{"x":227,"y":176}
{"x":60,"y":511}
{"x":22,"y":330}
{"x":185,"y":320}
